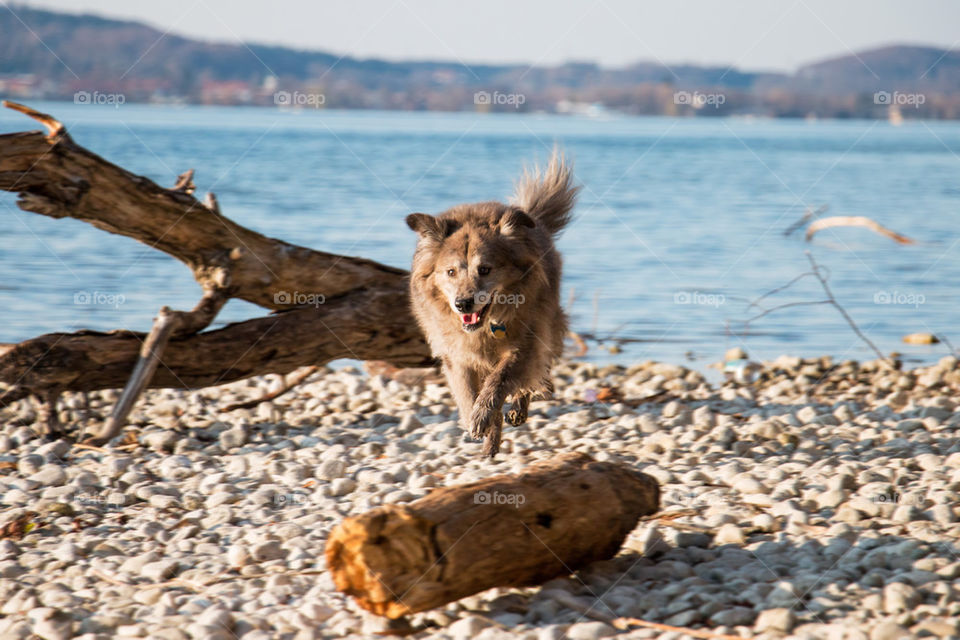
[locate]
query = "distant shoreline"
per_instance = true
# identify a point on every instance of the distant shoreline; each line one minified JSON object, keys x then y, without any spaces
{"x":607,"y":115}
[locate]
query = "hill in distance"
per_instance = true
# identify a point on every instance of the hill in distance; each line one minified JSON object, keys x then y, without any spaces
{"x":46,"y":54}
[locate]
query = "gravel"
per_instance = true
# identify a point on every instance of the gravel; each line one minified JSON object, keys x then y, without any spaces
{"x":820,"y":501}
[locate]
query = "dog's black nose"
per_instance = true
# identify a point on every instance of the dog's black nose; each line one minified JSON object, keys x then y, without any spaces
{"x":463,"y":305}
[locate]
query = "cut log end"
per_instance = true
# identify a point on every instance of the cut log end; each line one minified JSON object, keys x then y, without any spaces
{"x":393,"y":538}
{"x":556,"y":517}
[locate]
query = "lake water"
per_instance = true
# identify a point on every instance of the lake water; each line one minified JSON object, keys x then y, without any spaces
{"x":679,"y":225}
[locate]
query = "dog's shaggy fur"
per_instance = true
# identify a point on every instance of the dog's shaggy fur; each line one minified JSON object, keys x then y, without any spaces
{"x":485,"y":288}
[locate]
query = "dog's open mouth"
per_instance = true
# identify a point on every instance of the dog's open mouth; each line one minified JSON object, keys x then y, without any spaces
{"x":471,"y":321}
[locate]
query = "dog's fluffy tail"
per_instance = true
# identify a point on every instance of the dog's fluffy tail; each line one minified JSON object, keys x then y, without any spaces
{"x":548,"y":195}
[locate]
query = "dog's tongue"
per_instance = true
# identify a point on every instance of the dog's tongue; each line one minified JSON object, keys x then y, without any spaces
{"x":470,"y":318}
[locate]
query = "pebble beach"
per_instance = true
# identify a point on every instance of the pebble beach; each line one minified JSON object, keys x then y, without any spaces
{"x":817,"y":501}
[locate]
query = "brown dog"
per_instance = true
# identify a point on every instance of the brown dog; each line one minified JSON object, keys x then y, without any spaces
{"x":485,"y":288}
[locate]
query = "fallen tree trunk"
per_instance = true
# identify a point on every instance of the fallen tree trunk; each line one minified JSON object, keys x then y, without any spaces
{"x":56,"y":177}
{"x":364,"y":315}
{"x":555,"y":518}
{"x":365,"y":325}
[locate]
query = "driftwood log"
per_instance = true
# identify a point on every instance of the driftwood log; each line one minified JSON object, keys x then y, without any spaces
{"x":364,"y":314}
{"x":554,"y":518}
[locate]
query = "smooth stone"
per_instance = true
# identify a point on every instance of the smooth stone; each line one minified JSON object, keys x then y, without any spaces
{"x":316,"y":611}
{"x":52,"y":624}
{"x":269,"y":550}
{"x":29,"y":464}
{"x":779,"y":619}
{"x":730,"y":533}
{"x":233,"y":438}
{"x":939,"y":628}
{"x":160,"y":570}
{"x":684,"y":618}
{"x":67,"y":552}
{"x":50,"y":475}
{"x":468,"y":627}
{"x":590,"y":631}
{"x":889,"y":630}
{"x":238,"y":556}
{"x":342,"y":487}
{"x":733,"y":616}
{"x":898,"y":596}
{"x":216,"y":616}
{"x":164,"y":440}
{"x":831,"y":499}
{"x":331,"y":470}
{"x":906,"y":513}
{"x":783,"y":595}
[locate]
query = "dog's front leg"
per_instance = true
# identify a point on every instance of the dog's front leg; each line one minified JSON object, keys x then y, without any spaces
{"x":486,"y":419}
{"x":463,"y":383}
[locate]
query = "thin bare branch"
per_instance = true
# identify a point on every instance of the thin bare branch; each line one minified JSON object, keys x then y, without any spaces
{"x":292,"y":383}
{"x":822,"y":274}
{"x":846,"y":316}
{"x":809,"y":213}
{"x":787,"y":305}
{"x":756,"y":302}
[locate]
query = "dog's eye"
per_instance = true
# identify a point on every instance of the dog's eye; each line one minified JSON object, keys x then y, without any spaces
{"x":483,"y":270}
{"x":451,"y":272}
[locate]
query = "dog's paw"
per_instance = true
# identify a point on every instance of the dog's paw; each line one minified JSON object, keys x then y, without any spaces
{"x":516,"y":416}
{"x":518,"y":410}
{"x":491,"y":444}
{"x":481,"y":421}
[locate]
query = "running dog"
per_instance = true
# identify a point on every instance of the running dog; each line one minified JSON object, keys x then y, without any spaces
{"x":485,"y":289}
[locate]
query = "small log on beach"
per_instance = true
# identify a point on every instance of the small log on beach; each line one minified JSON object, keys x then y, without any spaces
{"x":511,"y":530}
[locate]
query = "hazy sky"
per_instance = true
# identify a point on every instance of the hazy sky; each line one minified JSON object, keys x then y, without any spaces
{"x":751,"y":34}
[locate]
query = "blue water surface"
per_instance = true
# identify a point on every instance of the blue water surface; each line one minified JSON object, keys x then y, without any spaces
{"x":680,"y":223}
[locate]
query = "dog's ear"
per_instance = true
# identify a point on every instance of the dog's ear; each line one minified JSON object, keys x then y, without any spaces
{"x":513,"y":220}
{"x":429,"y":227}
{"x":422,"y":223}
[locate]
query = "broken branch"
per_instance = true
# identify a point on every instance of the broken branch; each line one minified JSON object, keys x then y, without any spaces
{"x":855,"y":221}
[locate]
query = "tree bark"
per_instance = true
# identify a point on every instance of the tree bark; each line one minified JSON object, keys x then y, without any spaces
{"x":364,"y":314}
{"x":554,"y":518}
{"x":364,"y":325}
